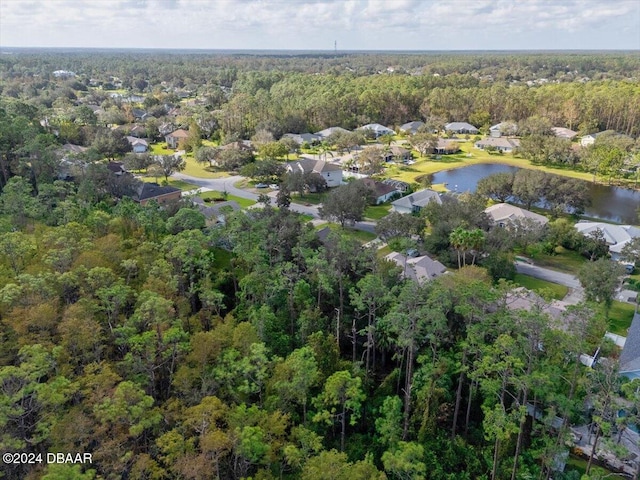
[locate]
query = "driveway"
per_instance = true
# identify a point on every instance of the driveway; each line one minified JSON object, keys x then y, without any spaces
{"x":226,"y":184}
{"x":576,"y":292}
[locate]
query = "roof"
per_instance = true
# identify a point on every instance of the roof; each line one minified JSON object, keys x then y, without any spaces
{"x":301,"y":138}
{"x":447,"y":145}
{"x":137,"y":141}
{"x":147,"y":191}
{"x":563,"y":132}
{"x":398,"y":184}
{"x":328,"y":131}
{"x":522,"y":299}
{"x":418,"y":269}
{"x":412,"y":127}
{"x":376,"y":127}
{"x":418,"y":199}
{"x":180,"y":133}
{"x":309,"y":165}
{"x":214,"y":210}
{"x":499,"y":142}
{"x":398,"y":151}
{"x":630,"y":356}
{"x":616,"y":236}
{"x":116,"y":167}
{"x":504,"y":127}
{"x":71,"y":148}
{"x":379,"y":188}
{"x":458,"y":126}
{"x":501,"y":212}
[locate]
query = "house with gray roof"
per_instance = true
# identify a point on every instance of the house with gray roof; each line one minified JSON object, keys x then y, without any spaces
{"x":215,"y":213}
{"x":419,"y":269}
{"x":138,"y":145}
{"x":382,"y":192}
{"x":331,"y":173}
{"x":328,"y":131}
{"x":562,"y":132}
{"x":301,"y":138}
{"x":501,"y":144}
{"x":411,"y":127}
{"x":147,"y":192}
{"x":616,"y":236}
{"x":503,"y":214}
{"x":377,"y":129}
{"x":503,"y":128}
{"x":461,"y":127}
{"x":414,"y":202}
{"x":630,"y":356}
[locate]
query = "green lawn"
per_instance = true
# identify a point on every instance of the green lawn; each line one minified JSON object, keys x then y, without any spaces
{"x":160,"y":149}
{"x":243,"y":202}
{"x":620,"y":317}
{"x":384,"y":251}
{"x":361,"y":236}
{"x":556,"y":291}
{"x":311,"y":198}
{"x":181,"y":184}
{"x":376,"y":212}
{"x":564,"y":260}
{"x":580,"y":465}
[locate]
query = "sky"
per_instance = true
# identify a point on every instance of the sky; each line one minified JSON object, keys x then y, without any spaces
{"x":317,"y":24}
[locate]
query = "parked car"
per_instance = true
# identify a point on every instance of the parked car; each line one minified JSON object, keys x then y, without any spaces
{"x":262,"y":185}
{"x":412,"y":252}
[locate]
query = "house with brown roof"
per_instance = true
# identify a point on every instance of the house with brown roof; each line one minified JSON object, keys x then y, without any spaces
{"x":174,"y":138}
{"x":331,"y":173}
{"x":562,"y":132}
{"x":147,"y":192}
{"x":382,"y":192}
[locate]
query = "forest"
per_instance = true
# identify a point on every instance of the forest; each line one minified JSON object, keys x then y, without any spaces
{"x":168,"y":347}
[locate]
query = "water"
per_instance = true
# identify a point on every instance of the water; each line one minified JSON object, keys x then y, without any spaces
{"x":613,"y":204}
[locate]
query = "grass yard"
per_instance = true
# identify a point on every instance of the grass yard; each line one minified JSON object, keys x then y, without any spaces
{"x":181,"y":184}
{"x":360,"y":235}
{"x":160,"y":149}
{"x":376,"y":212}
{"x":243,"y":202}
{"x":311,"y":198}
{"x":564,"y":260}
{"x":557,"y":292}
{"x":384,"y":251}
{"x":620,"y":317}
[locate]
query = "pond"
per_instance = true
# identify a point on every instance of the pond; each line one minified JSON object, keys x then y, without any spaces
{"x":613,"y":204}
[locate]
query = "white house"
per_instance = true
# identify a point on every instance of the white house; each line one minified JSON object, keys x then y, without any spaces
{"x":328,"y":131}
{"x":382,"y":191}
{"x":411,"y":127}
{"x":503,"y":128}
{"x":331,"y":173}
{"x":301,"y":138}
{"x":419,"y":269}
{"x":616,"y":236}
{"x":589,"y":139}
{"x":461,"y":127}
{"x":630,"y":356}
{"x":562,"y":132}
{"x":138,"y":145}
{"x":414,"y":202}
{"x":502,"y":214}
{"x":378,"y":129}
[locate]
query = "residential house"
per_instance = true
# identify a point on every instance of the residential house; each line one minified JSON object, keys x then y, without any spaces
{"x":630,"y":356}
{"x":166,"y":128}
{"x":562,"y":132}
{"x":323,"y":134}
{"x":71,"y":149}
{"x":411,"y":127}
{"x":377,"y":129}
{"x":522,"y":299}
{"x":331,"y":173}
{"x":414,"y":202}
{"x":117,"y":168}
{"x":501,"y":144}
{"x":503,"y":128}
{"x":216,"y":212}
{"x":239,"y":145}
{"x":174,"y":138}
{"x":396,"y":153}
{"x":138,"y":113}
{"x":382,"y":192}
{"x":138,"y":131}
{"x":300,"y":138}
{"x":616,"y":236}
{"x":446,"y":147}
{"x":138,"y":145}
{"x":399,"y":185}
{"x":419,"y":269}
{"x":590,"y":139}
{"x":152,"y":191}
{"x":461,"y":127}
{"x":503,"y":214}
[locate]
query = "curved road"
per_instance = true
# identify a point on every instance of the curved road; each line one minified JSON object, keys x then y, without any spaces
{"x":576,"y":292}
{"x":227,"y":184}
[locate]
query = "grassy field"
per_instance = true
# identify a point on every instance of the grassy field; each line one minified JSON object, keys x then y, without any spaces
{"x":243,"y":202}
{"x":310,"y":198}
{"x":564,"y":260}
{"x":160,"y":149}
{"x":181,"y":184}
{"x":556,"y":291}
{"x":376,"y":212}
{"x":470,"y":156}
{"x":361,"y":236}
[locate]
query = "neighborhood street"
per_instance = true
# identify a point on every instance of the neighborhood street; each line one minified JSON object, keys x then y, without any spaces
{"x":227,"y":184}
{"x":576,"y":292}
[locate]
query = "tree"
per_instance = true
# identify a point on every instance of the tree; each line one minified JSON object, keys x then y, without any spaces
{"x":498,"y":186}
{"x":346,"y":203}
{"x":600,"y":280}
{"x":529,"y":187}
{"x":265,"y":171}
{"x":594,"y":245}
{"x":397,"y":225}
{"x":342,"y":395}
{"x":170,"y":164}
{"x":208,"y":155}
{"x":405,"y":461}
{"x":186,"y":219}
{"x":463,"y":241}
{"x":371,"y":160}
{"x":631,"y":251}
{"x":273,"y":150}
{"x":17,"y":200}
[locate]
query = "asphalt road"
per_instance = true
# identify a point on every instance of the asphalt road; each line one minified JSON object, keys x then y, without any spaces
{"x":226,"y":184}
{"x":576,"y":292}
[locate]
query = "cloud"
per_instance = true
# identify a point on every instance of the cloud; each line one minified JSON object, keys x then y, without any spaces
{"x":278,"y":23}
